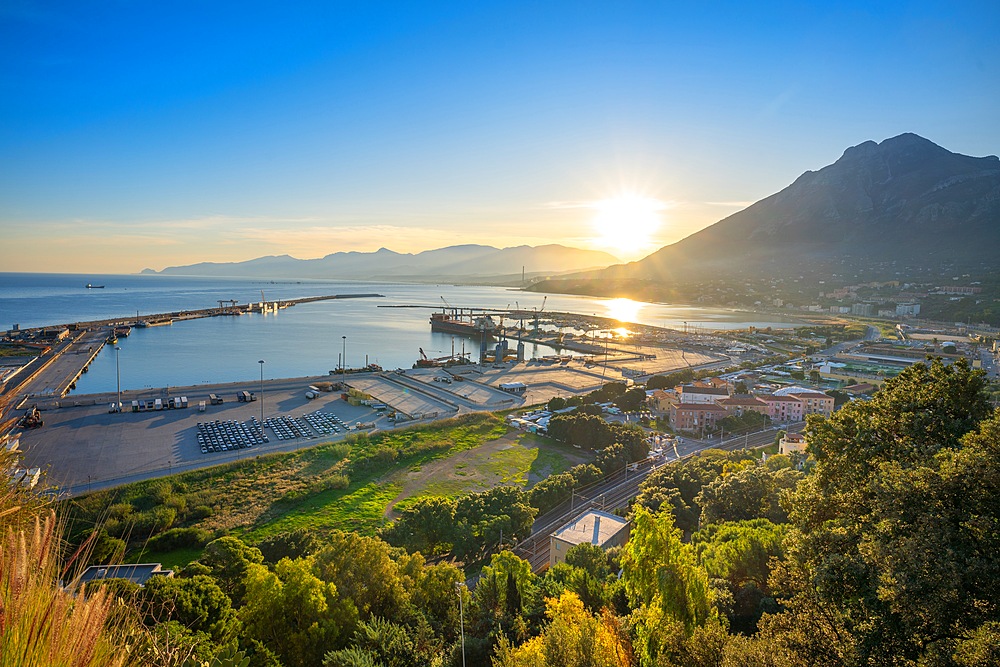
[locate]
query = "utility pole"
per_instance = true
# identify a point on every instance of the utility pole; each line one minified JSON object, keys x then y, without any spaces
{"x":461,"y":619}
{"x":118,"y":372}
{"x":343,"y":357}
{"x":261,"y":362}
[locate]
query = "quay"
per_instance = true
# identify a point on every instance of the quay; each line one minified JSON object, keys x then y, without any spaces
{"x":66,"y":351}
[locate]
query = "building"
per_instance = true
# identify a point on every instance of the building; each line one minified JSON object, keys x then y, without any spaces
{"x":659,"y":400}
{"x":137,"y":573}
{"x":815,"y":403}
{"x":784,"y":408}
{"x":595,"y":527}
{"x":862,"y":309}
{"x":696,"y":416}
{"x":740,"y":403}
{"x":690,"y":393}
{"x":907,"y":309}
{"x":513,"y":387}
{"x":791,"y":443}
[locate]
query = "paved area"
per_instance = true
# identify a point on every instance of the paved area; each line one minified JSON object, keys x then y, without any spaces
{"x":84,"y":447}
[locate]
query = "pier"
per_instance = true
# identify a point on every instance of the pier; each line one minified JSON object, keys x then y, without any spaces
{"x":67,"y":350}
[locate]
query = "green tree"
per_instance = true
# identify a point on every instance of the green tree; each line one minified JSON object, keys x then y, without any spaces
{"x":197,"y":603}
{"x":662,"y":573}
{"x":363,"y":570}
{"x":229,"y":560}
{"x":887,"y":563}
{"x":294,"y":613}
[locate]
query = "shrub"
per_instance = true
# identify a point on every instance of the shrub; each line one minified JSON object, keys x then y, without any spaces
{"x":179,"y":538}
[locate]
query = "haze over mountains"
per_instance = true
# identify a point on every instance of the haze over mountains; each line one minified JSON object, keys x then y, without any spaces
{"x":468,"y":262}
{"x":903,"y":201}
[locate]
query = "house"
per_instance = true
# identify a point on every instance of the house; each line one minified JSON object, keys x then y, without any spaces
{"x":137,"y":573}
{"x":792,"y":442}
{"x":784,"y":408}
{"x":740,"y":403}
{"x":696,"y":416}
{"x":690,"y":393}
{"x":659,"y":400}
{"x":595,"y":527}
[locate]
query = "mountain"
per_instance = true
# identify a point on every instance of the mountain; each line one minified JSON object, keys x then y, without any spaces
{"x":905,"y":201}
{"x":460,"y":262}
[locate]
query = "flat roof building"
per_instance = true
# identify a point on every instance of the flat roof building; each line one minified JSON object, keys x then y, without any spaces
{"x":595,"y":527}
{"x":137,"y":573}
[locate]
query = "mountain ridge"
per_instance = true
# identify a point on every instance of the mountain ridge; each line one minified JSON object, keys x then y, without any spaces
{"x":468,"y":261}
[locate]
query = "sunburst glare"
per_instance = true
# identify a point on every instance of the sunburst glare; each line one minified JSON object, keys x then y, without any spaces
{"x":626,"y":224}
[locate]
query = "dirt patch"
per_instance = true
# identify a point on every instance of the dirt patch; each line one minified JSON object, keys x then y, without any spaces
{"x":516,"y":458}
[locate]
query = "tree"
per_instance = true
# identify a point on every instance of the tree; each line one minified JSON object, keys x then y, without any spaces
{"x":662,"y":573}
{"x":556,"y":403}
{"x":631,"y":400}
{"x":294,"y":613}
{"x":427,"y":526}
{"x":887,"y":560}
{"x":747,"y":493}
{"x":196,"y":602}
{"x":230,"y":559}
{"x":363,"y":570}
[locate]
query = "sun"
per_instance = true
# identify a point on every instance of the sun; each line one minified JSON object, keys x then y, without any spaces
{"x":626,"y":224}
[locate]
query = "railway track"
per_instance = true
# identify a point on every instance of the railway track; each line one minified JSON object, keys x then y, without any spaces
{"x":616,"y":492}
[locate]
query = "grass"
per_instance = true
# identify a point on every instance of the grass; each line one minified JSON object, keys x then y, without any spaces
{"x":345,"y":485}
{"x":527,"y":459}
{"x":170,"y":560}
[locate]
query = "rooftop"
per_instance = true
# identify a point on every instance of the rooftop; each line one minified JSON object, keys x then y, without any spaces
{"x":595,"y":527}
{"x":137,"y":573}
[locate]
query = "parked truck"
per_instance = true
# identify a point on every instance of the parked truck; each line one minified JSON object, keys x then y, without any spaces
{"x":215,"y":399}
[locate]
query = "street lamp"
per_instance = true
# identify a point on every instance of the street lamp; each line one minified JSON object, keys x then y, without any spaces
{"x":461,"y":618}
{"x":343,"y":358}
{"x":261,"y":362}
{"x":118,"y":372}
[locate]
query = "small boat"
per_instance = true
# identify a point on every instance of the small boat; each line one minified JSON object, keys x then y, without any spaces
{"x":90,"y":286}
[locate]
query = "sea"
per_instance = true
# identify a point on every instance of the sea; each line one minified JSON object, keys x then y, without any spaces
{"x":304,"y":340}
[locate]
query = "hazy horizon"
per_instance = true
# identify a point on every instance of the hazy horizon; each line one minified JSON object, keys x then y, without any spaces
{"x":140,"y":136}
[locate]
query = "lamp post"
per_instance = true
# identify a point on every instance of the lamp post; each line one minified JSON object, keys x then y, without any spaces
{"x":118,"y":373}
{"x":343,"y":358}
{"x":261,"y":362}
{"x":461,"y":618}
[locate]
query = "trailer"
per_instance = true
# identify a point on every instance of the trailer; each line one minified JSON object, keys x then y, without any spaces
{"x":184,"y":401}
{"x":135,"y":406}
{"x":201,"y":406}
{"x":215,"y":399}
{"x":158,"y":404}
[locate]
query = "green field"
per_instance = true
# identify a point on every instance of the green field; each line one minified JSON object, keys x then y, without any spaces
{"x":348,"y":485}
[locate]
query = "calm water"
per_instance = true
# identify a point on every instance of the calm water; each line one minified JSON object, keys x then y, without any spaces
{"x":307,"y":339}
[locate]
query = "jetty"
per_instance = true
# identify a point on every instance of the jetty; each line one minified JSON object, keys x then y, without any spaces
{"x":67,"y":350}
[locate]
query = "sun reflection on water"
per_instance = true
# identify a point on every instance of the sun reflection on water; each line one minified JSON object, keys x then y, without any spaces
{"x":623,"y":310}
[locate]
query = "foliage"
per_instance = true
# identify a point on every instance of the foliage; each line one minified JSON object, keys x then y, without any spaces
{"x":892,"y":558}
{"x":676,"y":485}
{"x":294,"y":613}
{"x":670,"y":380}
{"x":42,"y":623}
{"x":662,"y":573}
{"x":749,"y":492}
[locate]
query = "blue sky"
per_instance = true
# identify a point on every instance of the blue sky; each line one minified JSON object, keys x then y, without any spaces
{"x":137,"y":134}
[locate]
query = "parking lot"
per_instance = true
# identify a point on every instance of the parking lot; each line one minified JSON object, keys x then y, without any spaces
{"x":86,"y":447}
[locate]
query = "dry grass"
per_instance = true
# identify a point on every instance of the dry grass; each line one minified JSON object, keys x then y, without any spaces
{"x":42,"y":623}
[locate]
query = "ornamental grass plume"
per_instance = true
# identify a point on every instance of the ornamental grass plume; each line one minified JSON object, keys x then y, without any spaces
{"x":43,"y":624}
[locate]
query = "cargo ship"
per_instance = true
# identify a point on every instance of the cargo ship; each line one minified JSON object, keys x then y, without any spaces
{"x":461,"y":323}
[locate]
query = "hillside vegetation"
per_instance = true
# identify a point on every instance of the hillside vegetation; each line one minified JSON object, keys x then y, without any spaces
{"x":881,"y":551}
